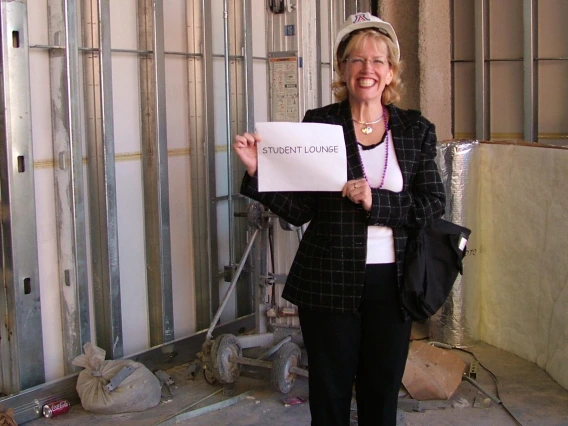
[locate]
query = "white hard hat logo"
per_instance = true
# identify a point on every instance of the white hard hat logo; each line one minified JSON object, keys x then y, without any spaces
{"x":361,"y":17}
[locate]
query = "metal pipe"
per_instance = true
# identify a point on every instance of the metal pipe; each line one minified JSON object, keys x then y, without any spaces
{"x":228,"y":127}
{"x":247,"y":54}
{"x":482,"y":389}
{"x":481,"y":127}
{"x":319,"y":95}
{"x":275,"y":347}
{"x":331,"y":44}
{"x":232,"y":286}
{"x":250,"y":361}
{"x":299,"y":371}
{"x":530,"y":108}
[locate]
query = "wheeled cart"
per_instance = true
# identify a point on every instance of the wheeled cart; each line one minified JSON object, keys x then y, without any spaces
{"x":281,"y":344}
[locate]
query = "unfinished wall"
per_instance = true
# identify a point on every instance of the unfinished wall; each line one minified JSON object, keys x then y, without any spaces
{"x":523,"y":275}
{"x":423,"y":30}
{"x":403,"y":15}
{"x":434,"y":56}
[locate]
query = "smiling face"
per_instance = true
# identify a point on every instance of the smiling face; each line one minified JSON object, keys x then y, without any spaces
{"x":367,"y":70}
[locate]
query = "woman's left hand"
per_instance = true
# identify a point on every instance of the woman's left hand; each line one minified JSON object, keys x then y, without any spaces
{"x":359,"y":192}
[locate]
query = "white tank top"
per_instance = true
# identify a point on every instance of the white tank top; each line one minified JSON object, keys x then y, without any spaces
{"x":380,"y":240}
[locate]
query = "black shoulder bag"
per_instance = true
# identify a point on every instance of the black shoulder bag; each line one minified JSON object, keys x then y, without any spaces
{"x":432,"y":261}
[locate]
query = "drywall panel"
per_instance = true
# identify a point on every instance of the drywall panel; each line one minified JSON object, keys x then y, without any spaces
{"x":123,"y":24}
{"x":551,"y":23}
{"x":258,"y":29}
{"x":506,"y":100}
{"x":464,"y":100}
{"x":553,"y":101}
{"x":133,"y":289}
{"x":37,"y":22}
{"x":463,"y":30}
{"x":175,"y":31}
{"x":217,"y":8}
{"x":126,"y":104}
{"x":129,"y":193}
{"x":505,"y":29}
{"x":48,"y":272}
{"x":178,"y":113}
{"x":177,"y":105}
{"x":182,"y":248}
{"x":41,"y":105}
{"x":260,"y":77}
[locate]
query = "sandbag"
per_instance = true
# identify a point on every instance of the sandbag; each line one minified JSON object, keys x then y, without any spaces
{"x":137,"y":392}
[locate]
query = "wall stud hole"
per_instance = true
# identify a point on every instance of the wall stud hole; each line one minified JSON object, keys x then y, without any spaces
{"x":16,"y":39}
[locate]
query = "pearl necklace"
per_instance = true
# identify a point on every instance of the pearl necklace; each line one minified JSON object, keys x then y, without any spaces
{"x":386,"y":152}
{"x":367,"y":130}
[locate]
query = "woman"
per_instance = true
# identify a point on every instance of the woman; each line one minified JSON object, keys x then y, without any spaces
{"x":346,"y":275}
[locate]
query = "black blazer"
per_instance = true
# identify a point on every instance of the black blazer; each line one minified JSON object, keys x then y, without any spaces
{"x":328,"y":271}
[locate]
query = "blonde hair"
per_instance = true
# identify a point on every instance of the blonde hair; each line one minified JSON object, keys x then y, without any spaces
{"x":392,"y":92}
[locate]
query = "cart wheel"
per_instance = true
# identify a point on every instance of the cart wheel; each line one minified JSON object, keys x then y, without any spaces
{"x":288,"y":356}
{"x":225,"y":346}
{"x":209,"y":376}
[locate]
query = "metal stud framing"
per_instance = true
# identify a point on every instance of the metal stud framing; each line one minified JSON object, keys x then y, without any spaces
{"x":155,"y":171}
{"x":85,"y":114}
{"x":530,"y":72}
{"x":101,"y":169}
{"x":203,"y":173}
{"x":21,"y":342}
{"x":68,"y":176}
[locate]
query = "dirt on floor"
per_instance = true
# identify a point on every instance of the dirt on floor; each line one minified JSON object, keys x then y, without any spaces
{"x":528,"y":392}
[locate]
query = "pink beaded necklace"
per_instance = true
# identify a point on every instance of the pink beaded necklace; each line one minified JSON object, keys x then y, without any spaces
{"x":386,"y":153}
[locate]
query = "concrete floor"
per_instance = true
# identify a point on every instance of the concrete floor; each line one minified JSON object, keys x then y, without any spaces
{"x":526,"y":390}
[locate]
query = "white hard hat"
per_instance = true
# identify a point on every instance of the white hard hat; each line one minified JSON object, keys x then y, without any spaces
{"x":364,"y":20}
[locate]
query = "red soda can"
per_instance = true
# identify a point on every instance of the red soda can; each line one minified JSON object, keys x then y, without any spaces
{"x":56,"y":408}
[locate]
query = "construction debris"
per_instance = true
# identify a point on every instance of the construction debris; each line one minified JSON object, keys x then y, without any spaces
{"x":431,"y":373}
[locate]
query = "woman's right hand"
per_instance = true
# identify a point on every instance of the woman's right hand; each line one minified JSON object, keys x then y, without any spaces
{"x":246,"y":148}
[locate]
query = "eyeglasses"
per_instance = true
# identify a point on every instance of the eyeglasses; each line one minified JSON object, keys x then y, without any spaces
{"x":358,"y":62}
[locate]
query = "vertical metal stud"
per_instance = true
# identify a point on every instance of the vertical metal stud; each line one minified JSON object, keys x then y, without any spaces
{"x":310,"y":88}
{"x":102,"y":180}
{"x":155,"y":171}
{"x":529,"y":67}
{"x":319,"y":95}
{"x":248,"y":59}
{"x":68,"y":176}
{"x":203,"y":183}
{"x":242,"y":110}
{"x":481,"y":74}
{"x":21,"y":344}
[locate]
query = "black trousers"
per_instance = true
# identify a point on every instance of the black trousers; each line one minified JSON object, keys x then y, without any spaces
{"x":367,"y":348}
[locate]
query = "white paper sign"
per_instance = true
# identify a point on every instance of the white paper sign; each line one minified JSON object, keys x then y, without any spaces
{"x":301,"y":157}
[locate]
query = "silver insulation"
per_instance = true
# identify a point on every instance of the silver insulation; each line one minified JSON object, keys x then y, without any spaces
{"x":456,"y":323}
